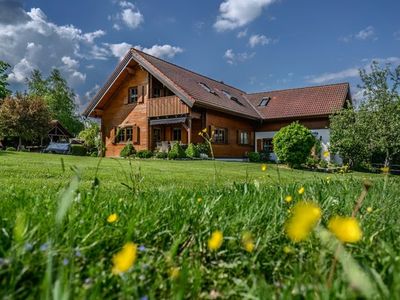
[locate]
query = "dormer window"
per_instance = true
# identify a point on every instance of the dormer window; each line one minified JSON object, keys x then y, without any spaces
{"x":205,"y":86}
{"x":264,"y":101}
{"x":227,"y":94}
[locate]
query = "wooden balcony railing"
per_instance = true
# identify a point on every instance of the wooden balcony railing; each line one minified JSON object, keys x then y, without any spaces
{"x":166,"y":106}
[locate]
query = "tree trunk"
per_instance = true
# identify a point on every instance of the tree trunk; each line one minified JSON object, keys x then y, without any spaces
{"x":388,"y":159}
{"x":19,"y":143}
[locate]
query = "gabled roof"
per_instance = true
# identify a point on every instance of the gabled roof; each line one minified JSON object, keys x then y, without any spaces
{"x":302,"y":102}
{"x":195,"y":89}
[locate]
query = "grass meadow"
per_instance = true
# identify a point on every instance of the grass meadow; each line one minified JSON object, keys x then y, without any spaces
{"x":56,"y":242}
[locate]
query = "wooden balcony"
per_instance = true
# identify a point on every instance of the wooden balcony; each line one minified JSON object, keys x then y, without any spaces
{"x":166,"y":106}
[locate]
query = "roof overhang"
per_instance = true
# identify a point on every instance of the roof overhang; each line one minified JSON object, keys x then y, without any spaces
{"x":168,"y":121}
{"x":121,"y":67}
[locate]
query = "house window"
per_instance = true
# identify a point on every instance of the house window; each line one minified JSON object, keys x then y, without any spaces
{"x":244,"y":138}
{"x":133,"y":95}
{"x":124,"y":135}
{"x":268,"y":146}
{"x":228,"y":95}
{"x":176,"y":134}
{"x":205,"y":86}
{"x":220,"y":136}
{"x":264,"y":101}
{"x":128,"y":134}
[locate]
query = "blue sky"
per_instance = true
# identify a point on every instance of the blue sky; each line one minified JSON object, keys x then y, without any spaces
{"x":255,"y":44}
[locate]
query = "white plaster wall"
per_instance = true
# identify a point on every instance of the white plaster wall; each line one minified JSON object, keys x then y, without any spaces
{"x":321,"y":134}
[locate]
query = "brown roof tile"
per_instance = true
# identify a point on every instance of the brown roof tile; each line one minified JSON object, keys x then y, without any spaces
{"x":301,"y":102}
{"x":291,"y":103}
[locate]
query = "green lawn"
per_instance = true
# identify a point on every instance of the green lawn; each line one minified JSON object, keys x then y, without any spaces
{"x":56,"y":240}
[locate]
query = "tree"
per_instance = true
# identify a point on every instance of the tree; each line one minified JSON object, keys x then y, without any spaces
{"x":4,"y":91}
{"x":375,"y":127}
{"x":293,"y":144}
{"x":380,"y":112}
{"x":348,"y":137}
{"x":24,"y":118}
{"x":91,"y":136}
{"x":58,"y":96}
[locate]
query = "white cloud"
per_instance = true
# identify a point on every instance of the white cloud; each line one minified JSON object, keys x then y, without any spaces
{"x":232,"y":58}
{"x":351,"y":72}
{"x":242,"y":34}
{"x":35,"y":42}
{"x":129,"y":15}
{"x":161,"y":51}
{"x":238,"y":13}
{"x":70,"y":62}
{"x":367,"y":33}
{"x":258,"y":39}
{"x":397,"y":35}
{"x":120,"y":50}
{"x":326,"y":77}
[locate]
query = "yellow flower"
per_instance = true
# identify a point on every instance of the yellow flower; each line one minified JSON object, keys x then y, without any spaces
{"x":264,"y":167}
{"x":288,"y":198}
{"x":248,"y":242}
{"x":215,"y":242}
{"x":385,"y":170}
{"x":326,"y":154}
{"x":200,"y":133}
{"x":303,"y":219}
{"x":301,"y":191}
{"x":204,"y":130}
{"x":369,"y":209}
{"x":112,"y":218}
{"x":125,"y":258}
{"x":346,"y":229}
{"x":287,"y":250}
{"x":199,"y":199}
{"x":174,"y":273}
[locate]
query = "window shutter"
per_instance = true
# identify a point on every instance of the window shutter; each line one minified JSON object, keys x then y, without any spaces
{"x":251,"y":138}
{"x":114,"y":135}
{"x":140,"y":93}
{"x":226,"y":136}
{"x":136,"y":135}
{"x":126,"y":100}
{"x":259,"y":145}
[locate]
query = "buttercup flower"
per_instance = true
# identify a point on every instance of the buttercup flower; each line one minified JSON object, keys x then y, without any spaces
{"x":301,"y":191}
{"x":287,"y":250}
{"x":346,"y":229}
{"x":124,"y":259}
{"x":264,"y":167}
{"x":288,"y":198}
{"x":248,"y":242}
{"x":174,"y":272}
{"x":326,"y":154}
{"x":385,"y":170}
{"x":304,"y":217}
{"x":369,"y":209}
{"x":204,"y":130}
{"x":199,"y":199}
{"x":215,"y":242}
{"x":112,"y":218}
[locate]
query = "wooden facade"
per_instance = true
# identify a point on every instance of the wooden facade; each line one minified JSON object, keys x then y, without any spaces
{"x":141,"y":104}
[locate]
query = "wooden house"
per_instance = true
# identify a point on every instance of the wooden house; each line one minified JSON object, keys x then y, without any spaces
{"x":150,"y":101}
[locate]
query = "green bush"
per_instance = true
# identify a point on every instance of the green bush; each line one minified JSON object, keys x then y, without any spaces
{"x":176,"y":152}
{"x":254,"y":156}
{"x":144,"y":154}
{"x":192,"y":151}
{"x":128,"y":150}
{"x":293,"y":144}
{"x":94,"y":154}
{"x":78,"y":150}
{"x":11,"y":149}
{"x":161,"y":155}
{"x":203,"y":148}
